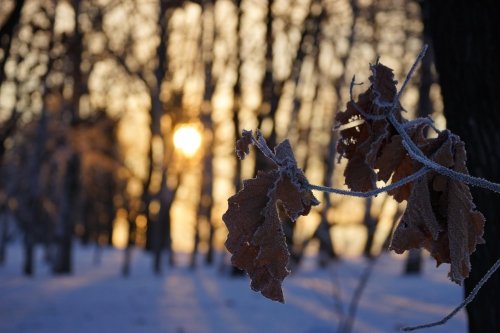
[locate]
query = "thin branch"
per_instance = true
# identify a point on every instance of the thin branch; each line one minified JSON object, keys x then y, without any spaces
{"x":410,"y":74}
{"x":374,"y":192}
{"x":123,"y":64}
{"x":346,"y":326}
{"x":466,"y":301}
{"x":351,"y":87}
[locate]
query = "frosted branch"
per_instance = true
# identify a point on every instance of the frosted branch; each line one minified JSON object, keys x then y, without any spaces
{"x":462,"y":305}
{"x":416,"y":154}
{"x":401,"y":182}
{"x":409,"y":75}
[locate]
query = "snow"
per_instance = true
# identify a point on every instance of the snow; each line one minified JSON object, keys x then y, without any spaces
{"x":181,"y":300}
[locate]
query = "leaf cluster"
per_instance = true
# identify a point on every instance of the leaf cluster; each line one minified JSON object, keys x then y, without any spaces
{"x":379,"y":144}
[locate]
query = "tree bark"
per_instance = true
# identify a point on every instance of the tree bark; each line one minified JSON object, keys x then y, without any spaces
{"x":466,"y":41}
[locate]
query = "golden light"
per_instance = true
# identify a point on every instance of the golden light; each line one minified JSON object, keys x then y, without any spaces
{"x":187,"y":139}
{"x":119,"y":238}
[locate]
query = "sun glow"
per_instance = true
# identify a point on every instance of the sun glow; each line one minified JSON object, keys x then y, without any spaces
{"x":187,"y":139}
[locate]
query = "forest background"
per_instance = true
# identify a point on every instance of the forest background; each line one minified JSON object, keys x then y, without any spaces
{"x":118,"y":118}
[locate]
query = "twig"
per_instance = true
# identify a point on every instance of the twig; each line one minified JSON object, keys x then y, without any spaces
{"x":351,"y":87}
{"x":466,"y":301}
{"x":410,"y":74}
{"x":374,"y":192}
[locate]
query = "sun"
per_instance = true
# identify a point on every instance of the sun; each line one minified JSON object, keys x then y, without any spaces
{"x":187,"y":139}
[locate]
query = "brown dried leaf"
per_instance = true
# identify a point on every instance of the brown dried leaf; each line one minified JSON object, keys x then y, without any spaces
{"x":394,"y":160}
{"x":418,"y":226}
{"x":404,"y":169}
{"x":256,"y":239}
{"x":383,"y":82}
{"x":441,"y":215}
{"x":362,"y":140}
{"x":243,"y":143}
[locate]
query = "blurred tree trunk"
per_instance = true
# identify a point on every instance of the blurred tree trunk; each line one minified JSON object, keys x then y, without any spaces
{"x":131,"y":234}
{"x":308,"y":47}
{"x":29,"y":219}
{"x":66,"y":201}
{"x":466,"y":42}
{"x":371,"y":227}
{"x":271,"y":92}
{"x":7,"y":129}
{"x":237,"y":103}
{"x":322,"y":233}
{"x":4,"y":229}
{"x":167,"y":197}
{"x":206,"y":196}
{"x":413,"y":265}
{"x":156,"y":226}
{"x":7,"y":32}
{"x":35,"y":160}
{"x":326,"y":245}
{"x":75,"y":55}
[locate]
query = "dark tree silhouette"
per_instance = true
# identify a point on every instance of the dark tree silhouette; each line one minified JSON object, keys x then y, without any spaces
{"x":466,"y":41}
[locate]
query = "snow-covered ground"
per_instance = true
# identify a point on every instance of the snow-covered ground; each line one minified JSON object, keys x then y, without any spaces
{"x":181,"y":300}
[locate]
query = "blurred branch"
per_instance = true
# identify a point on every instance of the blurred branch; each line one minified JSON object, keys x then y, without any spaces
{"x":123,"y":64}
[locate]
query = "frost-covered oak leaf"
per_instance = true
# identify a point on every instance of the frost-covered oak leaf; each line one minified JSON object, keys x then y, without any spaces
{"x":362,"y":138}
{"x":441,"y":216}
{"x":395,"y":163}
{"x":256,"y":239}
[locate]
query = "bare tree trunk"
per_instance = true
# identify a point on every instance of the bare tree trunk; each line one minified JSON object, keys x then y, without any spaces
{"x":326,"y":249}
{"x":271,"y":92}
{"x":130,"y":243}
{"x":7,"y":32}
{"x":236,"y":107}
{"x":157,"y":163}
{"x":3,"y":234}
{"x":75,"y":54}
{"x":204,"y":211}
{"x":466,"y":42}
{"x":324,"y":229}
{"x":34,"y":174}
{"x":167,"y":196}
{"x":371,"y":226}
{"x":413,"y":262}
{"x":67,"y":201}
